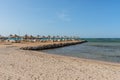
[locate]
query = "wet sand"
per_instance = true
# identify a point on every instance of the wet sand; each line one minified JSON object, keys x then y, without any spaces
{"x":16,"y":64}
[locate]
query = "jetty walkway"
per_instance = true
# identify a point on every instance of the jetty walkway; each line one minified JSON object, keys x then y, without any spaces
{"x":52,"y":45}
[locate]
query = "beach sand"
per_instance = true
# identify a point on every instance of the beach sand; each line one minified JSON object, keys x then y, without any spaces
{"x":16,"y":64}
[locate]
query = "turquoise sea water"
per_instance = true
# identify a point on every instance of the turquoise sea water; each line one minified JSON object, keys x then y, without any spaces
{"x":98,"y":49}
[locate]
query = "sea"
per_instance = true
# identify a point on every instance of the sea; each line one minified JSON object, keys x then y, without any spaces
{"x":103,"y":49}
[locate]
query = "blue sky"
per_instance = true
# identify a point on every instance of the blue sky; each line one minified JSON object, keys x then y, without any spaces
{"x":84,"y":18}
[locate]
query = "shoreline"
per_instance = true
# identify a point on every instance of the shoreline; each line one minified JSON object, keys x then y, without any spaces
{"x":83,"y":59}
{"x":88,"y":59}
{"x":17,"y":64}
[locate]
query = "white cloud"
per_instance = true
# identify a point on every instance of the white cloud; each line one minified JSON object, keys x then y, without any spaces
{"x":64,"y":16}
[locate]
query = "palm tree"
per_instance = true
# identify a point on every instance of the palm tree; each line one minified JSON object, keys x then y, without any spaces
{"x":10,"y":36}
{"x":0,"y":37}
{"x":31,"y":37}
{"x":57,"y":36}
{"x":38,"y":36}
{"x":15,"y":36}
{"x":43,"y":37}
{"x":49,"y":36}
{"x":25,"y":37}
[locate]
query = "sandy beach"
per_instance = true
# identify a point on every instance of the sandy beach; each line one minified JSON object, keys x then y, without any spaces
{"x":86,"y":33}
{"x":16,"y":64}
